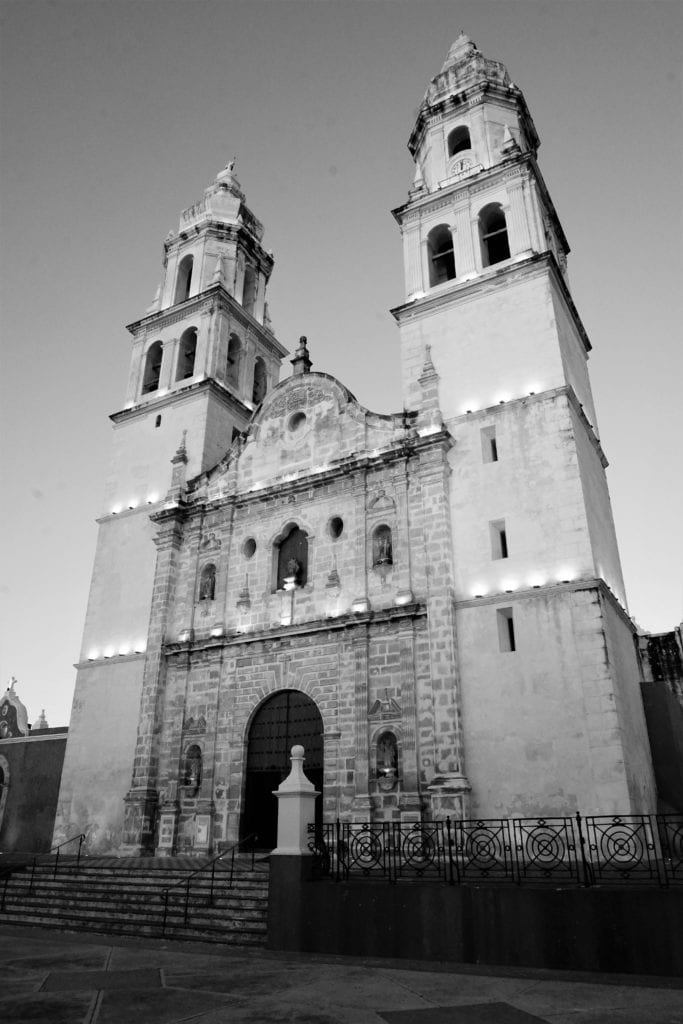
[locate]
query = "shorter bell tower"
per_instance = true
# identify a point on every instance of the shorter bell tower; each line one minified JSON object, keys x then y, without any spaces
{"x":203,"y":357}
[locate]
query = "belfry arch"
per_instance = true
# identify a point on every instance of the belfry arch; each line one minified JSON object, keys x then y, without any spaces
{"x":284,"y":719}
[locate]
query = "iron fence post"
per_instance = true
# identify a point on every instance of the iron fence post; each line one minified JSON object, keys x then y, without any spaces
{"x":163,"y":924}
{"x":56,"y":864}
{"x":587,"y":873}
{"x":213,"y":874}
{"x":81,"y":838}
{"x":187,"y":900}
{"x":33,"y":871}
{"x":449,"y":851}
{"x":337,"y":849}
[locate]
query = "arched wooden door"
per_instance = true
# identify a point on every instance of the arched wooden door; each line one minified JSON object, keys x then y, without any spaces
{"x":286,"y":718}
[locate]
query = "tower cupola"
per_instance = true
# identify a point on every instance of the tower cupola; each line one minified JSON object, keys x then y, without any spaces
{"x":470,"y":117}
{"x":218,"y":235}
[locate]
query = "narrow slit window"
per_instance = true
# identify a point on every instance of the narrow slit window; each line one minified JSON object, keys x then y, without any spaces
{"x":506,"y":630}
{"x":499,"y":539}
{"x":489,"y":444}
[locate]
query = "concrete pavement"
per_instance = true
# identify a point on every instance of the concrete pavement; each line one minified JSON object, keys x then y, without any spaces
{"x":65,"y":978}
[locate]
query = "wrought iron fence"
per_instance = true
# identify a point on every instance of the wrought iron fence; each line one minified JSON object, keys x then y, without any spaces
{"x":594,"y":850}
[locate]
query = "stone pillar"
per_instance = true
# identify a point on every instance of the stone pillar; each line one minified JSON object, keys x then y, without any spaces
{"x":296,"y":810}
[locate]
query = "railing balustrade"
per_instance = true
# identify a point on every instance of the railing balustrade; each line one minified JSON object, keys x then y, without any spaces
{"x":631,"y":849}
{"x":187,"y":881}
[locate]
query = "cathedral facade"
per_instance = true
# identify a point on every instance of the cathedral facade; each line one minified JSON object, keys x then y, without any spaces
{"x":430,"y":602}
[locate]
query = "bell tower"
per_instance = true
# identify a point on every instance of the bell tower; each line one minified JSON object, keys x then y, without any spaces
{"x":552,"y":715}
{"x":203,"y":358}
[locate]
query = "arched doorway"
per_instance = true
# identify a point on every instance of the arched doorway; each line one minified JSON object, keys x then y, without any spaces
{"x":286,"y":718}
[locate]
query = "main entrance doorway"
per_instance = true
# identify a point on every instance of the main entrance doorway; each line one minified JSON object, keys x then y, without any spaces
{"x":286,"y":718}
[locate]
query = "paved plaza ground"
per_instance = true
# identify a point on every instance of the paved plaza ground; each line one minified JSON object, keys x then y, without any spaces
{"x":51,"y":977}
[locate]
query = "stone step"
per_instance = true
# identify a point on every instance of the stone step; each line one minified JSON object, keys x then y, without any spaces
{"x":58,"y":905}
{"x":130,"y":900}
{"x":141,"y":886}
{"x":201,"y":931}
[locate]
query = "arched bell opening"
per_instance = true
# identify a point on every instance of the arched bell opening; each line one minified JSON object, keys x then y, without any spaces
{"x":184,"y":279}
{"x":283,"y":720}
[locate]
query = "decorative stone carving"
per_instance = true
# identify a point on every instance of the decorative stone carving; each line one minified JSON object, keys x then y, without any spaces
{"x":385,"y":709}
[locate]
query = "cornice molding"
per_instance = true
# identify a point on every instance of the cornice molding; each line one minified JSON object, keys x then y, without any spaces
{"x":549,"y":589}
{"x":314,"y":627}
{"x":214,"y":296}
{"x":230,"y":400}
{"x":363,"y":463}
{"x":457,"y":291}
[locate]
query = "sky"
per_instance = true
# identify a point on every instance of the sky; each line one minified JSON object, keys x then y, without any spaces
{"x":114,"y":117}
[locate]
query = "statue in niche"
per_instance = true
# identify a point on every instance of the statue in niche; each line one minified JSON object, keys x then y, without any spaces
{"x":294,"y":569}
{"x":382,"y":547}
{"x":192,"y":775}
{"x":207,"y":586}
{"x":387,"y":761}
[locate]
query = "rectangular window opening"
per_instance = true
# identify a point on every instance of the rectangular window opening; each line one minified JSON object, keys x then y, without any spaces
{"x":499,"y":539}
{"x":489,"y":444}
{"x":506,"y":630}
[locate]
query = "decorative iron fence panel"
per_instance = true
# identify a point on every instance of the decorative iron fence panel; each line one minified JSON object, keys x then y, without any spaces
{"x":595,"y":850}
{"x":483,"y":850}
{"x":670,"y":832}
{"x":547,"y":850}
{"x":621,"y":848}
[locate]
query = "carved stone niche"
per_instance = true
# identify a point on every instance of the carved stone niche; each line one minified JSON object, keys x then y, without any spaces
{"x":192,"y":770}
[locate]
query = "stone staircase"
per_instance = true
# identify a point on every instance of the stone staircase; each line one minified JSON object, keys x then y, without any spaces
{"x":122,"y":896}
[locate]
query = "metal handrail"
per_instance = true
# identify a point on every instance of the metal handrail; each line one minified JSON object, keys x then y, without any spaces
{"x":55,"y":849}
{"x":209,"y":864}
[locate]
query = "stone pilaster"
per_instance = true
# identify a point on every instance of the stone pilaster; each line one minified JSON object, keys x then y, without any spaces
{"x":361,"y":801}
{"x":448,"y":782}
{"x":518,"y":225}
{"x":412,"y":252}
{"x":410,"y":797}
{"x":141,"y":800}
{"x":463,"y":240}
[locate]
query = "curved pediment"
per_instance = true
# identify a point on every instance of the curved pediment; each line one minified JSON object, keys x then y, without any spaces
{"x":304,"y":425}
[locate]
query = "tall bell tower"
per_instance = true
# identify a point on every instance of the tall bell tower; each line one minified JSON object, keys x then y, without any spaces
{"x":552,"y":714}
{"x":203,"y":358}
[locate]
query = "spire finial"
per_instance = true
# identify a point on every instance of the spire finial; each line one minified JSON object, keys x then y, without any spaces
{"x":301,"y":361}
